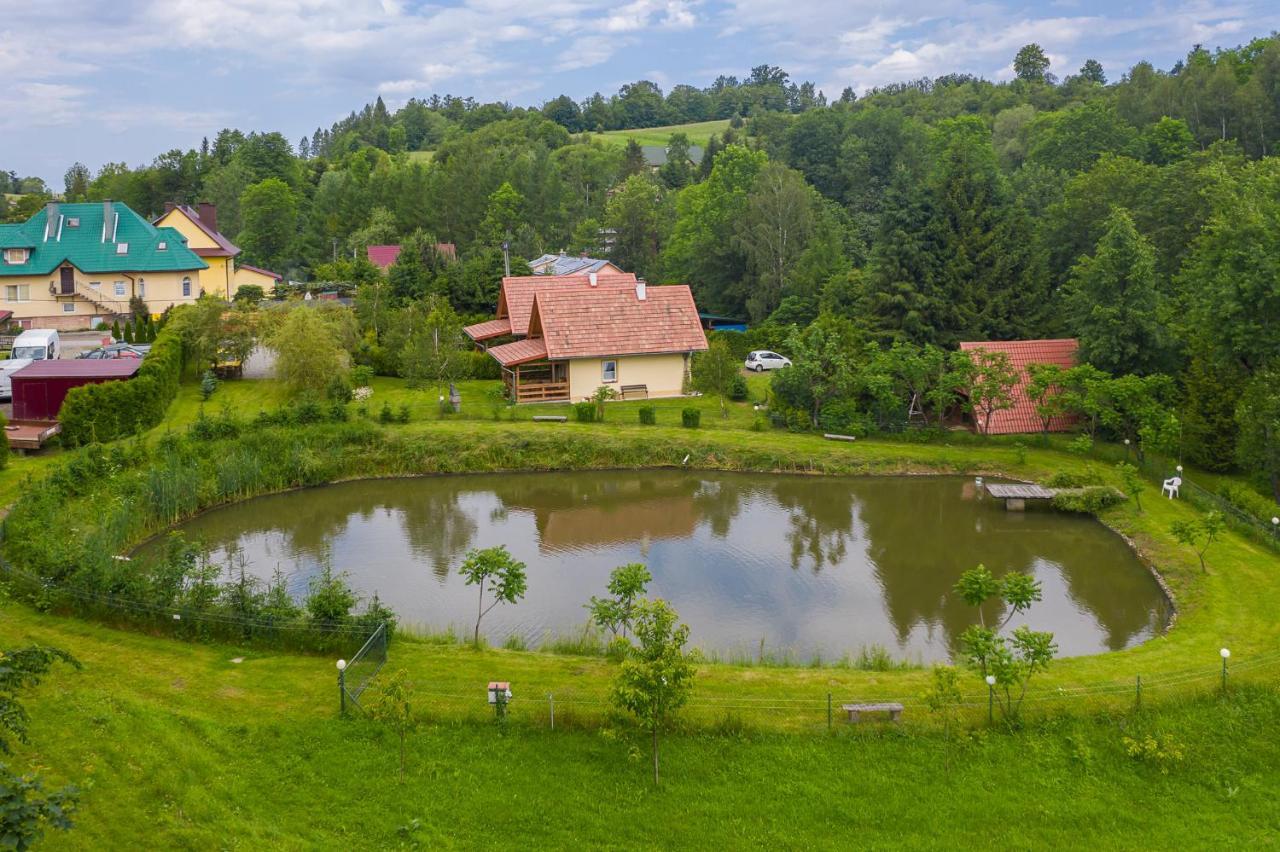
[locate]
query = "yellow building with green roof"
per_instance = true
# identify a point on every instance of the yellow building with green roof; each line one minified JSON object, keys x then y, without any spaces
{"x":74,"y":265}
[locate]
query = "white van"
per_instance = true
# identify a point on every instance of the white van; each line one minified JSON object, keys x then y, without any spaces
{"x":38,"y":344}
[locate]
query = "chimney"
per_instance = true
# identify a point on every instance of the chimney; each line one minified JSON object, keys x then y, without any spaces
{"x":108,"y":226}
{"x":168,"y":207}
{"x":591,"y":278}
{"x":208,"y":214}
{"x":50,"y":220}
{"x":640,"y":287}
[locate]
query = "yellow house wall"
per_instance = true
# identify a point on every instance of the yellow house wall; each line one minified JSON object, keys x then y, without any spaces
{"x":217,"y":279}
{"x":248,"y":276}
{"x":664,"y":374}
{"x":45,"y":310}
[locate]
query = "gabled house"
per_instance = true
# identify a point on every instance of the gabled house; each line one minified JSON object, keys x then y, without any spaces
{"x":655,"y":156}
{"x":200,"y":227}
{"x":567,"y":264}
{"x":76,"y":265}
{"x":264,"y":278}
{"x":1022,"y":417}
{"x":576,"y":333}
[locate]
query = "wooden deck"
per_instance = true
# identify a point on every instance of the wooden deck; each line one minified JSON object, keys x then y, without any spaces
{"x":30,"y":434}
{"x":1021,"y":491}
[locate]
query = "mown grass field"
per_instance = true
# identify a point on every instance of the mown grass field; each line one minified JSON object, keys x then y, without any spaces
{"x":699,"y":133}
{"x":175,"y":743}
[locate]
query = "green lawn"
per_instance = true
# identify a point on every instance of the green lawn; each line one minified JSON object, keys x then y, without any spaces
{"x":423,"y":157}
{"x":699,"y":132}
{"x":179,"y":745}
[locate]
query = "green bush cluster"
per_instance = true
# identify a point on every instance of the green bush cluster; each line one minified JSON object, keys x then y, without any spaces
{"x":690,"y":418}
{"x":1249,"y":501}
{"x":1068,"y":479}
{"x":648,"y":415}
{"x":111,"y":410}
{"x":584,"y":412}
{"x":1090,"y":500}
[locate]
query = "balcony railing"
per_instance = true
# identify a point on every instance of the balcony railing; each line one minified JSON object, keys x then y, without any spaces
{"x":542,"y":391}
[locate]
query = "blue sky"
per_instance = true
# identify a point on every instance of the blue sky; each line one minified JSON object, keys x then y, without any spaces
{"x":172,"y":71}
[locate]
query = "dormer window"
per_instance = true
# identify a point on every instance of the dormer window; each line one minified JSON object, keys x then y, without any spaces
{"x":73,"y":222}
{"x":15,"y":255}
{"x":161,"y":246}
{"x":122,"y":248}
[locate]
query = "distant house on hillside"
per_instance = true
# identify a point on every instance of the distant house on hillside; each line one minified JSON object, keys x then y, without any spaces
{"x":567,"y":335}
{"x":655,"y":156}
{"x":253,"y":275}
{"x":384,"y":257}
{"x":566,"y":264}
{"x":1022,"y":417}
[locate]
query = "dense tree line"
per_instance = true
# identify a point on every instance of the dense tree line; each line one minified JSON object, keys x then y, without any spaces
{"x":1138,"y":215}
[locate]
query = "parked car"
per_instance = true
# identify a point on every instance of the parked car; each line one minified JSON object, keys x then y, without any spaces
{"x":762,"y":359}
{"x":7,"y":369}
{"x":117,"y":350}
{"x":38,"y":344}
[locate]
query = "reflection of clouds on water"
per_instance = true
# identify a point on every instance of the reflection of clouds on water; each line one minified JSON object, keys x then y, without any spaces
{"x":803,"y":563}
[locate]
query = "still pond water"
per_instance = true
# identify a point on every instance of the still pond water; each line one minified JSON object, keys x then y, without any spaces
{"x":806,"y":565}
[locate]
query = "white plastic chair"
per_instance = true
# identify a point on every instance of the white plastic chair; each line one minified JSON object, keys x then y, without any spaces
{"x":1171,"y":487}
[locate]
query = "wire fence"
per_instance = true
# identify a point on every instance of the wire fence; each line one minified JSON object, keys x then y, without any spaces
{"x":355,"y":675}
{"x":820,"y":710}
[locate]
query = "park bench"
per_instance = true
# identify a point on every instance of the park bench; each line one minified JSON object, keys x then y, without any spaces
{"x":550,"y":418}
{"x":635,"y":391}
{"x":832,"y":437}
{"x":855,"y":710}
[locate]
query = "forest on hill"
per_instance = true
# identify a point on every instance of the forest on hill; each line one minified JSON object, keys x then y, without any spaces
{"x":1140,"y":214}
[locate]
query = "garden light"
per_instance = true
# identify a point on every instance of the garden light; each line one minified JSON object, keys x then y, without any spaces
{"x":991,"y":699}
{"x":1226,"y":655}
{"x":342,"y":665}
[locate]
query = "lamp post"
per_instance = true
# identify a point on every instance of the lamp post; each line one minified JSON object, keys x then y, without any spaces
{"x":1126,"y":449}
{"x":991,"y":699}
{"x":1275,"y":527}
{"x":342,"y":687}
{"x":1226,"y":655}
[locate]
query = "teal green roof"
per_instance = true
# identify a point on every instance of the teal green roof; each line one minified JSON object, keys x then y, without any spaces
{"x":83,"y":244}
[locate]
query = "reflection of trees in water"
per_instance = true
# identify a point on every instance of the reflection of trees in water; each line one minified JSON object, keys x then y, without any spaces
{"x":718,"y":501}
{"x":438,"y":529}
{"x":922,"y":538}
{"x":820,"y":518}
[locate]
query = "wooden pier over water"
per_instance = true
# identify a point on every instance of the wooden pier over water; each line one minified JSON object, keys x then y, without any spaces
{"x":1015,"y":496}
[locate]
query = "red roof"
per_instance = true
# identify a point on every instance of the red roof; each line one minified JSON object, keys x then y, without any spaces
{"x":383,"y":256}
{"x":615,"y":321}
{"x":519,"y":352}
{"x":488,"y":329}
{"x":1022,"y":417}
{"x":80,"y":368}
{"x":515,"y":301}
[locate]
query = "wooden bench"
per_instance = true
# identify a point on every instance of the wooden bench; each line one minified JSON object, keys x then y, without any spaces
{"x":635,"y":391}
{"x":831,"y":437}
{"x":549,"y":418}
{"x":855,"y":710}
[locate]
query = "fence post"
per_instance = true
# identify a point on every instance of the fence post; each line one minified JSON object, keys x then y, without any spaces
{"x":1139,"y":693}
{"x":828,"y":711}
{"x":551,"y":700}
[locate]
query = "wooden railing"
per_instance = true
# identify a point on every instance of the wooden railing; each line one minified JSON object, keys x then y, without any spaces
{"x":542,"y":391}
{"x":105,"y":303}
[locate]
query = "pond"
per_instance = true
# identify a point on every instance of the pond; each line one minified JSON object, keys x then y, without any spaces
{"x":797,"y":565}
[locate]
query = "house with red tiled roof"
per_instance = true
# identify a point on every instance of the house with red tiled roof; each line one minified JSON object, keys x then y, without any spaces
{"x":1022,"y":417}
{"x":576,"y":333}
{"x":384,"y":257}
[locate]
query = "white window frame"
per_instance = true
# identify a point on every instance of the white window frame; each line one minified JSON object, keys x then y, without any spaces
{"x":186,"y":287}
{"x":11,"y":254}
{"x":68,"y":307}
{"x":119,"y":288}
{"x":605,"y":372}
{"x":142,"y":288}
{"x":17,"y":296}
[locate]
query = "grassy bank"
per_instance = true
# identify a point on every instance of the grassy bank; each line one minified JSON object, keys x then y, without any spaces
{"x":179,"y":744}
{"x":699,"y":132}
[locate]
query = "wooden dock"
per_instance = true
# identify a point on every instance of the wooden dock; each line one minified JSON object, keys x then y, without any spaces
{"x":1016,"y":495}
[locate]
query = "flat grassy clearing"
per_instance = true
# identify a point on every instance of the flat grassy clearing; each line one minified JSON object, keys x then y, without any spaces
{"x":423,"y":157}
{"x":699,"y":133}
{"x":175,"y":741}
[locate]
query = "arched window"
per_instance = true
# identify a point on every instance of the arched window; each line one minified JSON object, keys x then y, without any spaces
{"x":186,"y":287}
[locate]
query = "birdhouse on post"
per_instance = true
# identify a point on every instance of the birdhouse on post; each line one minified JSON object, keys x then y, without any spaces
{"x":499,"y":695}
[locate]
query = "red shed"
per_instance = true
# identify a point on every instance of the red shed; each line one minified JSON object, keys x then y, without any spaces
{"x":40,"y":387}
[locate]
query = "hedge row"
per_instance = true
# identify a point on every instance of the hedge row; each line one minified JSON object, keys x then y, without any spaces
{"x":111,"y":410}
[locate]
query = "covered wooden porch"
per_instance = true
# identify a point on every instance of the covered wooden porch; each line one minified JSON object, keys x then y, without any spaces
{"x":537,"y":381}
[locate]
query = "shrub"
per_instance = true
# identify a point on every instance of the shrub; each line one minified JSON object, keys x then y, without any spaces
{"x":690,"y":418}
{"x":111,"y":410}
{"x":585,"y":412}
{"x":208,"y":384}
{"x":842,"y":417}
{"x":1090,"y":501}
{"x":1249,"y":501}
{"x":738,"y":391}
{"x":402,"y":416}
{"x":648,"y":415}
{"x":361,"y":376}
{"x":480,"y":365}
{"x":1065,"y":479}
{"x":385,"y":415}
{"x":338,"y":389}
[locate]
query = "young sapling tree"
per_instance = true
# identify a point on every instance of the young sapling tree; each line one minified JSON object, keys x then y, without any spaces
{"x":1198,"y":534}
{"x":493,"y":567}
{"x":1133,"y":482}
{"x":627,"y":583}
{"x":655,"y":679}
{"x":394,"y":708}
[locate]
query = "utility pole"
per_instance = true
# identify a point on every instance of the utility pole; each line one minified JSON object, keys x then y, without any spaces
{"x":506,"y":256}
